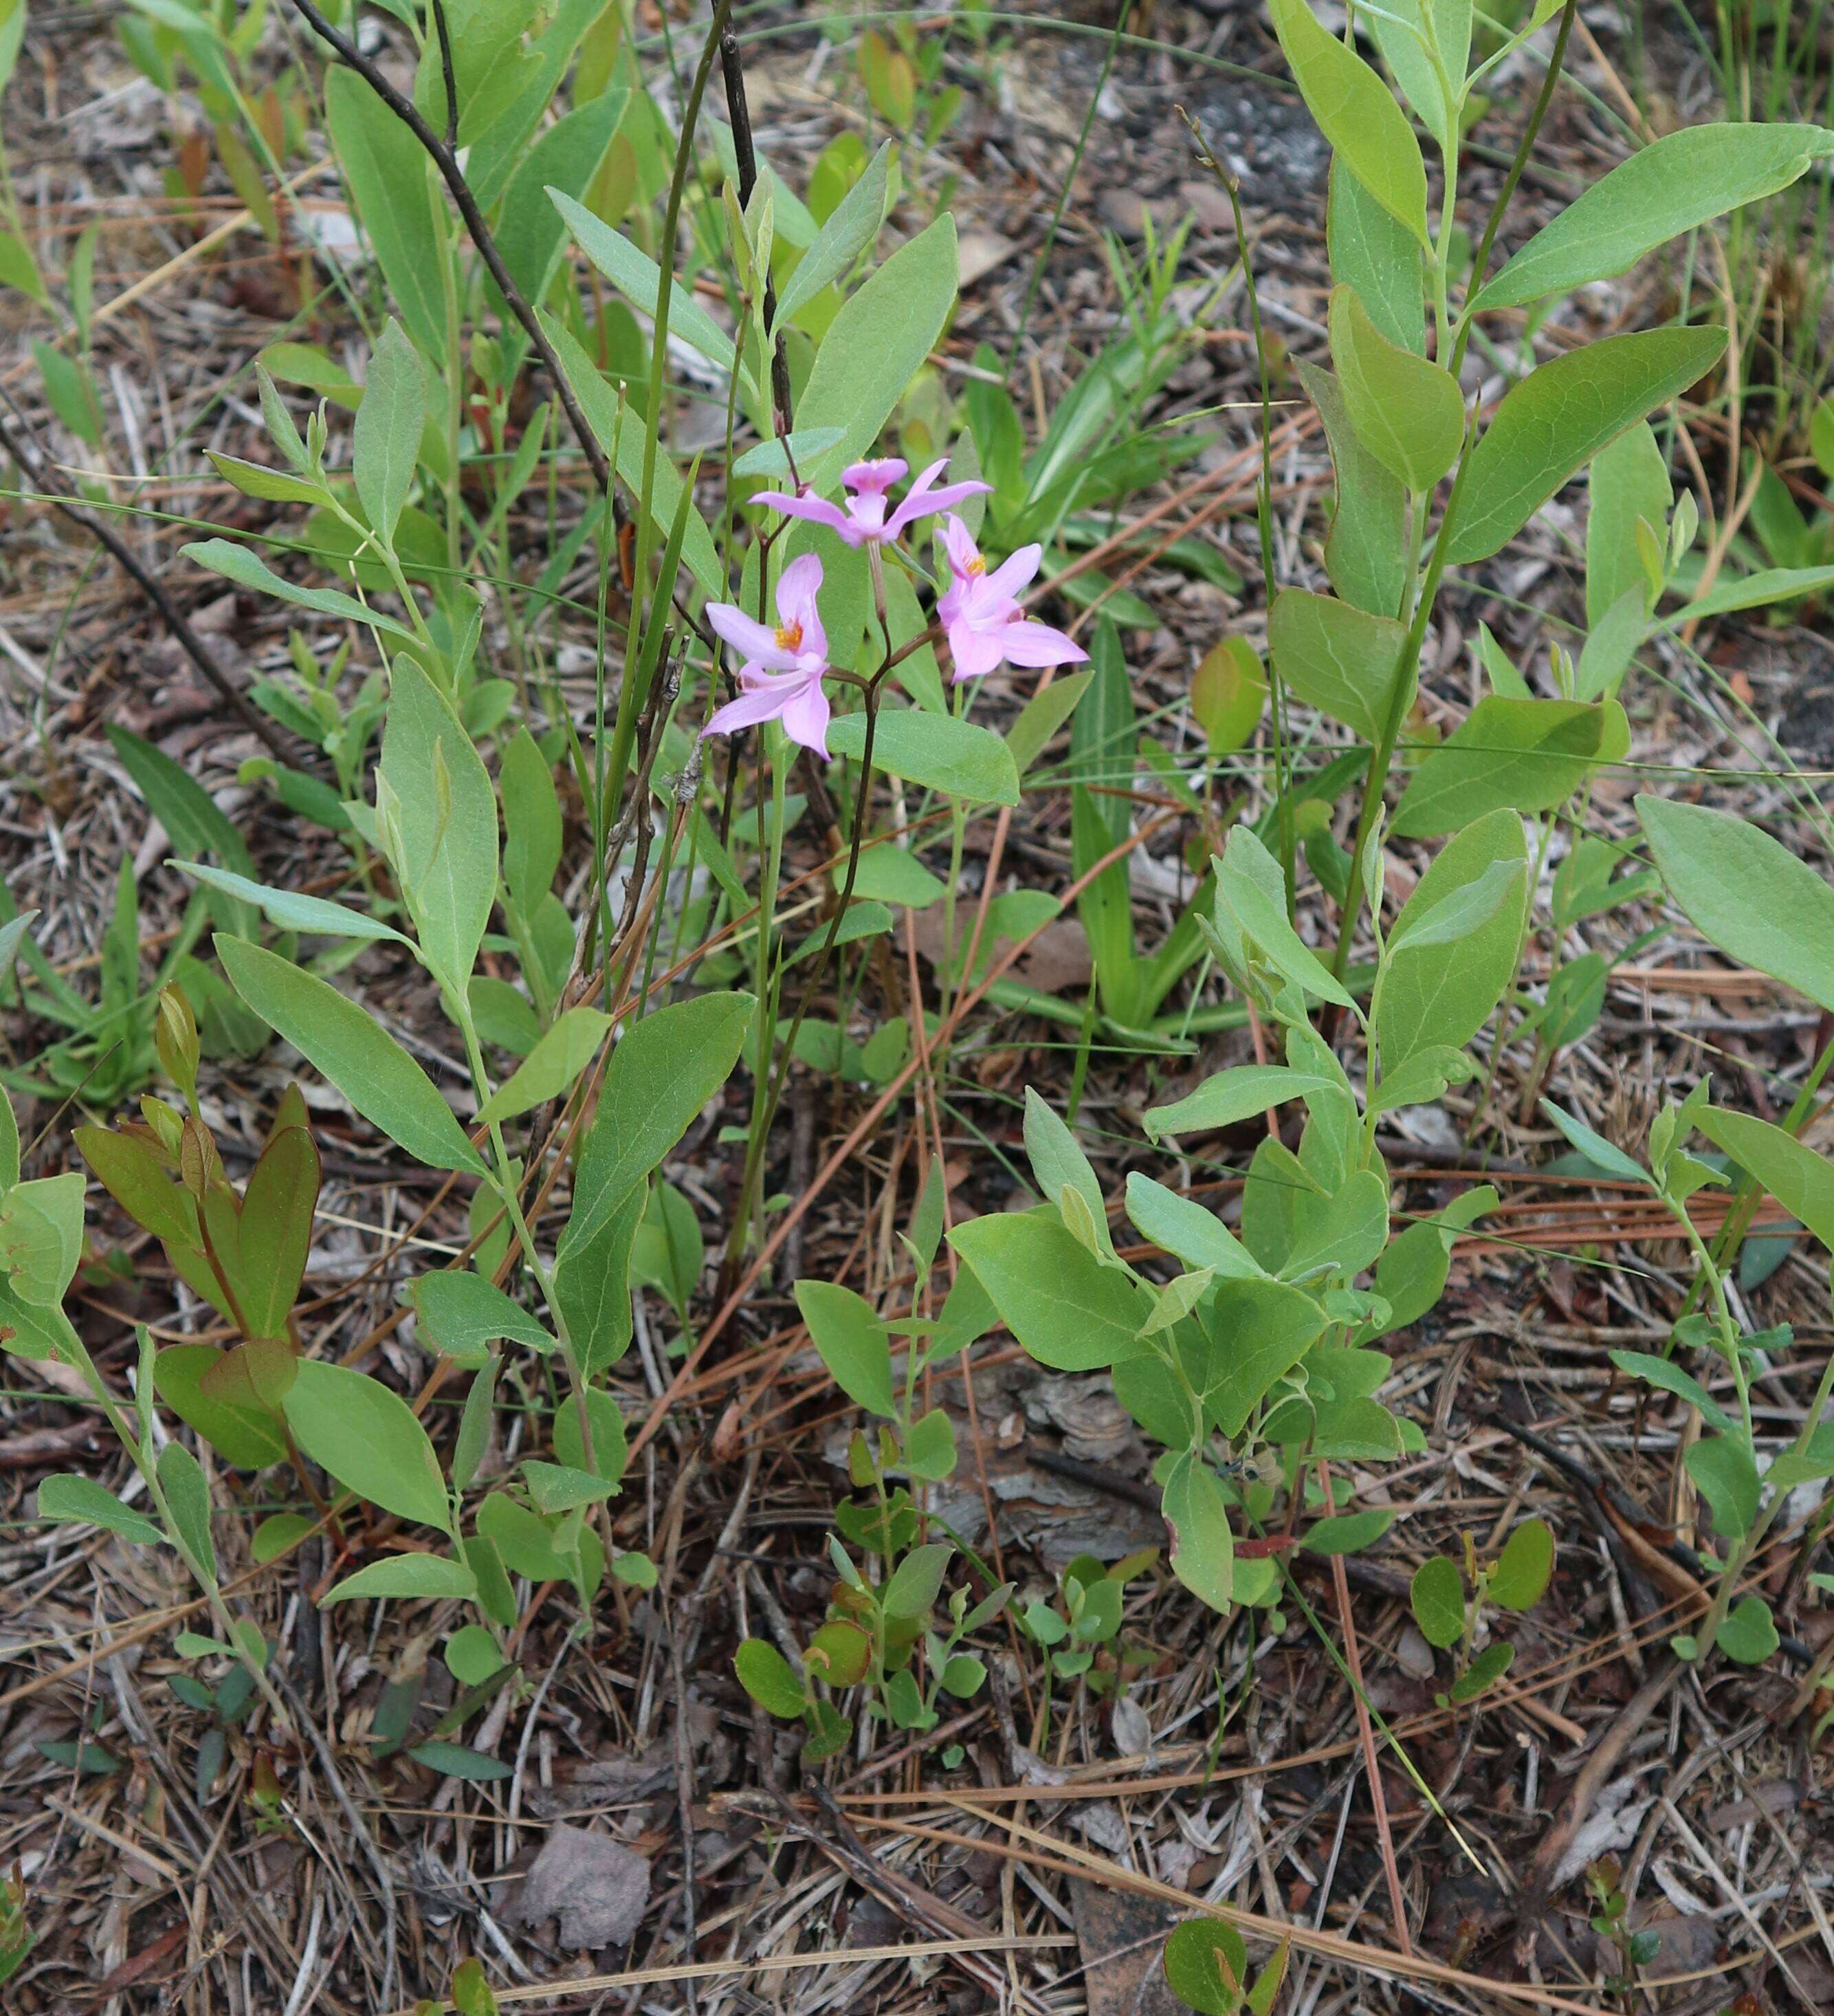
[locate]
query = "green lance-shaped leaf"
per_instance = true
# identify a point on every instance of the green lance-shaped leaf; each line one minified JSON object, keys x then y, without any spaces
{"x":1672,"y":1379}
{"x":1067,"y":1309}
{"x":385,"y":440}
{"x":550,"y":1068}
{"x":428,"y":1577}
{"x":276,"y":1229}
{"x":1336,"y":658}
{"x":238,"y":564}
{"x":1629,"y":482}
{"x":1407,"y":411}
{"x":464,"y":1314}
{"x":188,"y":1497}
{"x":41,"y":1237}
{"x":1604,"y":1156}
{"x":190,"y":816}
{"x":247,"y":1438}
{"x":852,"y":1342}
{"x":1763,"y":589}
{"x":1257,"y":1330}
{"x":638,"y":279}
{"x":1356,"y":113}
{"x":377,"y":1076}
{"x":81,"y":1501}
{"x":1366,"y":548}
{"x":533,"y":234}
{"x":1183,"y":1226}
{"x":367,"y":1437}
{"x":1381,"y":259}
{"x":289,"y":909}
{"x":1057,"y":1158}
{"x":619,"y":433}
{"x":768,"y":1677}
{"x":387,"y":174}
{"x":1427,"y":999}
{"x":851,"y":228}
{"x":1528,"y":755}
{"x":1800,"y":1180}
{"x":533,"y":832}
{"x":1231,"y":1096}
{"x":936,"y":750}
{"x":1400,"y":33}
{"x":1745,"y":893}
{"x":592,"y":1284}
{"x":912,"y":1589}
{"x":28,"y":1330}
{"x":446,"y":815}
{"x":1250,"y":890}
{"x":1554,"y":421}
{"x":1671,"y":186}
{"x":1722,"y":1469}
{"x":660,"y":1075}
{"x":877,"y":344}
{"x":502,"y":142}
{"x":1202,"y":1547}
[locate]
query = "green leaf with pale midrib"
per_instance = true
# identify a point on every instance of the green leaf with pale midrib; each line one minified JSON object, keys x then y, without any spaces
{"x":1554,"y":421}
{"x":936,"y":750}
{"x":663,"y":1071}
{"x":1066,"y":1308}
{"x":638,"y":279}
{"x":366,"y":1435}
{"x":1746,"y":893}
{"x":238,"y":564}
{"x":381,"y":1081}
{"x":876,"y":345}
{"x":1676,"y":182}
{"x":1356,"y":113}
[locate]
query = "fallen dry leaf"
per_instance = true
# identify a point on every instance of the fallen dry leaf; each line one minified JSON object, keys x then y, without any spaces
{"x":595,"y":1888}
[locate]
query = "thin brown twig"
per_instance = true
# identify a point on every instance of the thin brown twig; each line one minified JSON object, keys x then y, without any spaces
{"x":24,"y":450}
{"x":1353,"y":1655}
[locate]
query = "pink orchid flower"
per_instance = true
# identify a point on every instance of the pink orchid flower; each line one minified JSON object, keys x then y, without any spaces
{"x":864,"y":521}
{"x":781,"y":677}
{"x":980,"y":611}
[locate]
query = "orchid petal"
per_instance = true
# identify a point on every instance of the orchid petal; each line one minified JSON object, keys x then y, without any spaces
{"x":976,"y":652}
{"x":754,"y":641}
{"x":805,"y":718}
{"x":816,"y":510}
{"x":797,"y":591}
{"x":1013,"y":573}
{"x":763,"y":702}
{"x":920,"y":500}
{"x":1030,"y":643}
{"x":874,"y":478}
{"x":959,"y":544}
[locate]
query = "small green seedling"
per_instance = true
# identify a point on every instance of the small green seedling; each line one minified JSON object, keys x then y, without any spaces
{"x":1448,"y":1603}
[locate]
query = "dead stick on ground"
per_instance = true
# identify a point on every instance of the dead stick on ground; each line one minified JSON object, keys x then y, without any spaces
{"x":1397,"y":1902}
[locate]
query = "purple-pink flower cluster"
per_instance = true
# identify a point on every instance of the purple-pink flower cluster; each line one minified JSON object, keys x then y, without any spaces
{"x":781,"y":668}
